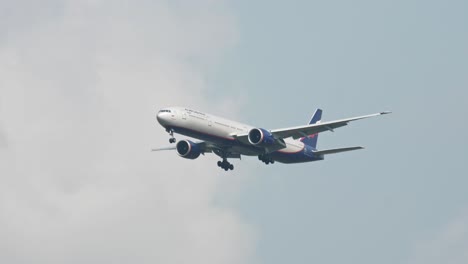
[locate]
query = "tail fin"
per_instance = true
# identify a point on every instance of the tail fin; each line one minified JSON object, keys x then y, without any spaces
{"x":311,"y":140}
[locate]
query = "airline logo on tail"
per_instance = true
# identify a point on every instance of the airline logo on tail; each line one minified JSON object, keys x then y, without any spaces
{"x":311,"y":140}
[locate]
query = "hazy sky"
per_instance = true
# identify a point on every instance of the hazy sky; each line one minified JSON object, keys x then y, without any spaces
{"x":81,"y":82}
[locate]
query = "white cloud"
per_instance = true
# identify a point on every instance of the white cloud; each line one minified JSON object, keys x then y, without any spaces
{"x":449,"y":246}
{"x":81,"y":82}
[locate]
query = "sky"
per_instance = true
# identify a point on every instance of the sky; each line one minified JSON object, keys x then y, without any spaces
{"x":82,"y":81}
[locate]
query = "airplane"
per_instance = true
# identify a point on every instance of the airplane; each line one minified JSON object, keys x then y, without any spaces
{"x":229,"y":139}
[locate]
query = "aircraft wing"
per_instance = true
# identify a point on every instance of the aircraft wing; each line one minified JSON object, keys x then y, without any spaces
{"x":303,"y":131}
{"x":244,"y":138}
{"x":204,"y":146}
{"x":161,"y":149}
{"x":208,"y":147}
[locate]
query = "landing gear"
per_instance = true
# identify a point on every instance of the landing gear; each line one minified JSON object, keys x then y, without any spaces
{"x":266,"y":159}
{"x":225,"y":165}
{"x":171,"y":132}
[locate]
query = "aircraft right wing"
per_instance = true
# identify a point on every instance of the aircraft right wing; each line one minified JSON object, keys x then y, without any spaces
{"x":303,"y":131}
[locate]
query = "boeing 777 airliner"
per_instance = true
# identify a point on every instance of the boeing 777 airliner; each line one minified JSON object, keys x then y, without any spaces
{"x":229,"y":139}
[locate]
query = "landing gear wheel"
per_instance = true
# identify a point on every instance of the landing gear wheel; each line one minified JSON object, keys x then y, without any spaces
{"x":171,"y":132}
{"x":225,"y":165}
{"x":266,"y":159}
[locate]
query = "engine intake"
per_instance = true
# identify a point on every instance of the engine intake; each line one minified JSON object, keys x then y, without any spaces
{"x":187,"y":149}
{"x":260,"y":136}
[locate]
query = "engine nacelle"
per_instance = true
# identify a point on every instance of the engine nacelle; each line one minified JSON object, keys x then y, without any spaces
{"x":187,"y":149}
{"x":260,"y":136}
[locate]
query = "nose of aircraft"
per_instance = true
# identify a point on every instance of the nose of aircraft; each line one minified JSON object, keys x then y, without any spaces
{"x":160,"y":118}
{"x":164,"y":117}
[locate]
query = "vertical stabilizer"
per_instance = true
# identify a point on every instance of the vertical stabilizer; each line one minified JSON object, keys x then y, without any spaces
{"x":311,"y":140}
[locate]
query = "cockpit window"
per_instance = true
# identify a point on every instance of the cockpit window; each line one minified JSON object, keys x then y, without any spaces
{"x":164,"y":111}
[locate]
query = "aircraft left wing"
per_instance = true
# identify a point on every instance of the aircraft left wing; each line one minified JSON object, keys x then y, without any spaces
{"x":304,"y":131}
{"x":208,"y":147}
{"x":161,"y":149}
{"x":204,"y":146}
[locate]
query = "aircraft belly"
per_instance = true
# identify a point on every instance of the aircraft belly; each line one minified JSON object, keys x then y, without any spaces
{"x":246,"y":151}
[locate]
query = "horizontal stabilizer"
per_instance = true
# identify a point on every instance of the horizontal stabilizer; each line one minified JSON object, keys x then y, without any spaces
{"x":333,"y":151}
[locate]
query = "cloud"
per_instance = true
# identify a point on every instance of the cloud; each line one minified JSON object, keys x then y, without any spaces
{"x":81,"y":83}
{"x":450,"y":245}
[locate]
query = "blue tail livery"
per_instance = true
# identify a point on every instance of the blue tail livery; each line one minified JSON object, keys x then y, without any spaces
{"x":311,"y":140}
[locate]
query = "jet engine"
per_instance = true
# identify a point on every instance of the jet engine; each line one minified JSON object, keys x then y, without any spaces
{"x":260,"y":136}
{"x":187,"y":149}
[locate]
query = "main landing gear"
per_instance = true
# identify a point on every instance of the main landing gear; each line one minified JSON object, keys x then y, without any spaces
{"x":171,"y":132}
{"x":266,"y":159}
{"x":225,"y":165}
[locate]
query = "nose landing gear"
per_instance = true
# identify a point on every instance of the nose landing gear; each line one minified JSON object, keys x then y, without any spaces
{"x":171,"y":132}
